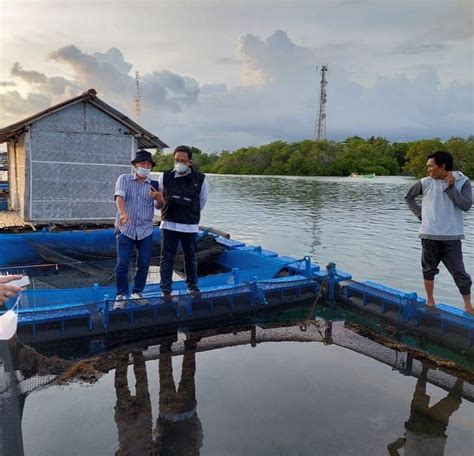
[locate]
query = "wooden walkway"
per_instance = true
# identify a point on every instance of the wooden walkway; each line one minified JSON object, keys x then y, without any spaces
{"x":11,"y":220}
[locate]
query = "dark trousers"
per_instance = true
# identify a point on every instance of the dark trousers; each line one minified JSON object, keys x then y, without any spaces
{"x":125,"y":246}
{"x":450,"y":253}
{"x":169,"y":245}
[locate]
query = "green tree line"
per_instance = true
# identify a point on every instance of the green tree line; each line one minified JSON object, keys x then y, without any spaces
{"x":330,"y":158}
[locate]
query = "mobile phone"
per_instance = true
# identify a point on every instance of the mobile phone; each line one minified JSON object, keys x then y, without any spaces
{"x":23,"y":282}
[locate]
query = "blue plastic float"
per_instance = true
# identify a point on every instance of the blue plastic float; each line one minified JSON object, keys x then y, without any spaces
{"x":256,"y":279}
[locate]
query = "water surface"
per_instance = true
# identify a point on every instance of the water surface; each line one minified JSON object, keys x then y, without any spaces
{"x":278,"y":391}
{"x":266,"y":388}
{"x":363,"y":225}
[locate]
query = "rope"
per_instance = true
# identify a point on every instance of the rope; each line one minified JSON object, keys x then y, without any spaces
{"x":396,"y":329}
{"x":29,"y":266}
{"x":394,"y":367}
{"x":320,"y":298}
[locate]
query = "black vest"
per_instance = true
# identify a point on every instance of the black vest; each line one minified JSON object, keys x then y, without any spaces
{"x":181,"y":195}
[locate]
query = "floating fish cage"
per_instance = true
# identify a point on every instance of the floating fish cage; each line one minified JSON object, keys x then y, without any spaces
{"x":234,"y":278}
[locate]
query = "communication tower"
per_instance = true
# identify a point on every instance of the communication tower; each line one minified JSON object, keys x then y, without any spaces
{"x":320,"y":125}
{"x":137,"y":98}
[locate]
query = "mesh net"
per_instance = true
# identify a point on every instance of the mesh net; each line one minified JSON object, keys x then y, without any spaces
{"x":26,"y":368}
{"x":28,"y":364}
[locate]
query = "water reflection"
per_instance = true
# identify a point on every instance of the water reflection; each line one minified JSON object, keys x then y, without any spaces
{"x":178,"y":430}
{"x":155,"y":411}
{"x":133,"y":412}
{"x":426,"y":428}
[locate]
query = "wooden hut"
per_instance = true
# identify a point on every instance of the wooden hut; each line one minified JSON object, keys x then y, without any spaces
{"x":63,"y":162}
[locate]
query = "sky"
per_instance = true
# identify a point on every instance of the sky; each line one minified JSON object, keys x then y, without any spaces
{"x":225,"y":74}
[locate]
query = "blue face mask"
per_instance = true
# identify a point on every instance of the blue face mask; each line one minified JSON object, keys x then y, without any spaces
{"x":180,"y":168}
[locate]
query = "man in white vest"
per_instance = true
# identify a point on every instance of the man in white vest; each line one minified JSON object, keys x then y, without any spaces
{"x":446,"y":194}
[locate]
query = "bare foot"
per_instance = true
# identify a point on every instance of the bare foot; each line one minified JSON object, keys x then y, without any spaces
{"x":470,"y":312}
{"x":432,"y":308}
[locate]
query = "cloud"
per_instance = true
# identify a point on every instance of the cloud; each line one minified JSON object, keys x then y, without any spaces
{"x":446,"y":29}
{"x":164,"y":89}
{"x":109,"y":73}
{"x":456,"y":23}
{"x":15,"y":106}
{"x":228,"y":61}
{"x":54,"y":85}
{"x":415,"y":48}
{"x":7,"y":84}
{"x":101,"y":71}
{"x":32,"y":77}
{"x":115,"y":58}
{"x":213,"y":89}
{"x":276,"y":99}
{"x":275,"y":59}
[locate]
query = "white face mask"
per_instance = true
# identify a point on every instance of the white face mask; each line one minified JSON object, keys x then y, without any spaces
{"x":180,"y":168}
{"x":9,"y":322}
{"x":142,"y":172}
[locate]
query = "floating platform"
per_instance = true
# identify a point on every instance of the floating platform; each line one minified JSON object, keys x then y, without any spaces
{"x":28,"y":247}
{"x":249,"y":279}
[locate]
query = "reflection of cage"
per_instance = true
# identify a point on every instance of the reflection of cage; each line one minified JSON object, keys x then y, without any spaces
{"x":337,"y":333}
{"x":73,"y":356}
{"x":24,"y":370}
{"x":21,"y":375}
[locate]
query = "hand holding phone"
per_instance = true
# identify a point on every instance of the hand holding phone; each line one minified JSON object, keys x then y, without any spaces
{"x":156,"y":195}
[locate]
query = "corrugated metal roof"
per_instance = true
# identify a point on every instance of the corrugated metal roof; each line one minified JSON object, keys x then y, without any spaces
{"x":146,"y":140}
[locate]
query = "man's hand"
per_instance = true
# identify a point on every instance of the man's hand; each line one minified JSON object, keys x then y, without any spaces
{"x":123,"y":219}
{"x":6,"y":291}
{"x":157,"y":196}
{"x":450,"y":179}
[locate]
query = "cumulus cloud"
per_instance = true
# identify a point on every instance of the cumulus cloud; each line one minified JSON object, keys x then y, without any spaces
{"x":115,"y":58}
{"x":109,"y":73}
{"x":276,"y":99}
{"x":275,"y":59}
{"x":164,"y":89}
{"x":15,"y":107}
{"x":104,"y":72}
{"x":43,"y":92}
{"x":54,"y":85}
{"x":32,"y":77}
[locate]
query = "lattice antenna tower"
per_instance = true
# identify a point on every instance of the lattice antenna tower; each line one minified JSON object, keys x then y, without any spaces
{"x":320,"y":126}
{"x":137,"y":98}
